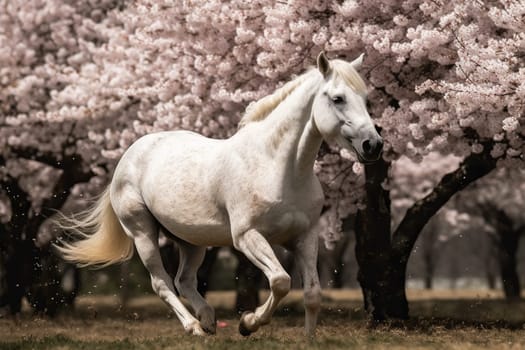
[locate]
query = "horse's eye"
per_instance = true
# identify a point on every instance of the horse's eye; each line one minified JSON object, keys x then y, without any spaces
{"x":338,"y":100}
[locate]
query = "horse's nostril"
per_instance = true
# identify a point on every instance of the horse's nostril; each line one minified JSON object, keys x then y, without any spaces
{"x":372,"y":147}
{"x":367,"y":146}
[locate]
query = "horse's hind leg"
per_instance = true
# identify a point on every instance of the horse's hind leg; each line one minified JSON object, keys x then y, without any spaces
{"x":191,"y":258}
{"x":142,"y":226}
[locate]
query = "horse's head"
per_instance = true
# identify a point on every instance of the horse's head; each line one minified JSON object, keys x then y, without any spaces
{"x":339,"y":109}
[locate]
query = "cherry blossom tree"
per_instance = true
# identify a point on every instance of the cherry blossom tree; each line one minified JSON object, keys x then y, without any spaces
{"x":497,"y":207}
{"x":444,"y":76}
{"x":446,"y":115}
{"x":43,"y":152}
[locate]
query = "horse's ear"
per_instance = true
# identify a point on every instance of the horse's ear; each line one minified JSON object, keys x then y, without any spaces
{"x":358,"y":62}
{"x":323,"y":64}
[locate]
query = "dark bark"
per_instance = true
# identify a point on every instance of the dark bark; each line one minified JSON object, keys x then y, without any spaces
{"x":429,"y":271}
{"x":508,"y":269}
{"x":507,"y":242}
{"x":508,"y":266}
{"x":33,"y":271}
{"x":383,"y":258}
{"x":491,"y":279}
{"x":19,"y":274}
{"x":428,"y":244}
{"x":124,"y":294}
{"x":383,"y":298}
{"x":248,"y":280}
{"x":45,"y":293}
{"x":490,"y":262}
{"x":203,"y":274}
{"x":17,"y":250}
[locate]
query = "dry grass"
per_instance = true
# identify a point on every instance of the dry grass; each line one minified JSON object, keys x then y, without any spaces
{"x":441,"y":320}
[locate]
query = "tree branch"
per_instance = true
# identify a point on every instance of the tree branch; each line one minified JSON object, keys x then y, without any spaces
{"x":32,"y":153}
{"x":472,"y":168}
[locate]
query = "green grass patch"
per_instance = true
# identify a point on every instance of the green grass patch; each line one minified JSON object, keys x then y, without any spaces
{"x":100,"y":323}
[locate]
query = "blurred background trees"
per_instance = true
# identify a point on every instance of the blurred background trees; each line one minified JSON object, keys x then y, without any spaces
{"x":81,"y":80}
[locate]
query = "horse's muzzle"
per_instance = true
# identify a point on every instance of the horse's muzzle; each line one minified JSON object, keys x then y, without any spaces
{"x":372,"y":149}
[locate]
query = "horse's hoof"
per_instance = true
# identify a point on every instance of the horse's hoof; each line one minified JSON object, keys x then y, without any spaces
{"x":199,"y":331}
{"x":208,"y":324}
{"x":210,"y":329}
{"x":195,"y":329}
{"x":245,"y":332}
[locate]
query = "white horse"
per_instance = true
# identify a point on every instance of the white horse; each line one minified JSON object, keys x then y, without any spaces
{"x":254,"y":189}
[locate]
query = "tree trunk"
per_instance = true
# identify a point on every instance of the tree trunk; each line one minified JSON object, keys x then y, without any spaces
{"x":381,"y":280}
{"x":383,"y":258}
{"x":17,"y":248}
{"x":4,"y":291}
{"x":45,"y":293}
{"x":491,"y":279}
{"x":19,"y":273}
{"x":203,"y":274}
{"x":248,"y":279}
{"x":428,"y":243}
{"x":429,"y":271}
{"x":507,"y":256}
{"x":507,"y":241}
{"x":33,"y":271}
{"x":508,"y":265}
{"x":124,"y":292}
{"x":490,"y":261}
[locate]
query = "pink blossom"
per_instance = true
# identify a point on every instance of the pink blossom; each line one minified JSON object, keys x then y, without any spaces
{"x":442,"y":78}
{"x":510,"y":124}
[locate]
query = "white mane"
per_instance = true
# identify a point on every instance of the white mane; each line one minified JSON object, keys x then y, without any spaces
{"x":261,"y":109}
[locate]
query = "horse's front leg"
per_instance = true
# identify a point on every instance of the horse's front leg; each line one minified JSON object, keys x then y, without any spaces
{"x":252,"y":244}
{"x":306,"y":251}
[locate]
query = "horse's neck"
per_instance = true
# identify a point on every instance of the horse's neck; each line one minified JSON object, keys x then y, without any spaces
{"x":289,"y":133}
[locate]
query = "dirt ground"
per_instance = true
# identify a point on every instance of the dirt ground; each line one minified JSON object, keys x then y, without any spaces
{"x":440,"y":320}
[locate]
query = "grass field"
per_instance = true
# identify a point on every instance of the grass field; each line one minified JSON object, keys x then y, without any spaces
{"x":441,"y":320}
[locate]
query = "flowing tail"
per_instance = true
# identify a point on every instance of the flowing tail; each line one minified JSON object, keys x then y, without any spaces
{"x":103,"y":240}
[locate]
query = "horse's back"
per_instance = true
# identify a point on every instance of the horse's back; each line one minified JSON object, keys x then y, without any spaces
{"x":172,"y":152}
{"x":175,"y":176}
